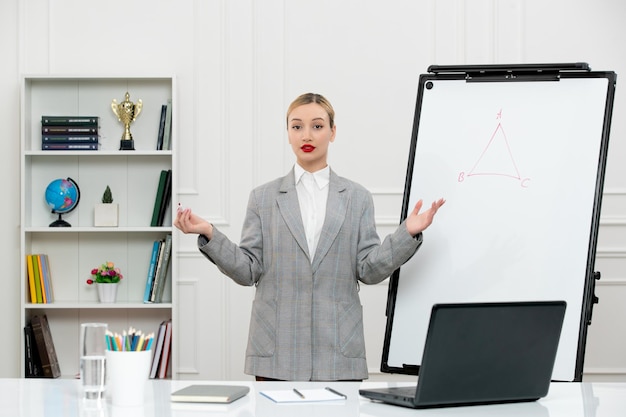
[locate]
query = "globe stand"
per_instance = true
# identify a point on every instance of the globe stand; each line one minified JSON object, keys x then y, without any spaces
{"x":60,"y":223}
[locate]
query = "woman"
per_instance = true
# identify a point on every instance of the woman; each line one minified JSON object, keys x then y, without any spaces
{"x":307,"y":239}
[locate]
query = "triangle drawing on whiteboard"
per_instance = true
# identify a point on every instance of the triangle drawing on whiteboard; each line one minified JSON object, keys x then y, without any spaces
{"x":496,"y":158}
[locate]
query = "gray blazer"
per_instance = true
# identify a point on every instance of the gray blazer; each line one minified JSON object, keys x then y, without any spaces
{"x":307,"y":320}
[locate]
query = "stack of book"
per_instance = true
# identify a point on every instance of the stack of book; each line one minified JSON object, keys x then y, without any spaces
{"x":39,"y":279}
{"x":157,"y":270}
{"x":69,"y":133}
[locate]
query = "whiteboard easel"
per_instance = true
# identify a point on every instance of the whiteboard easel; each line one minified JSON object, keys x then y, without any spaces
{"x":519,"y":153}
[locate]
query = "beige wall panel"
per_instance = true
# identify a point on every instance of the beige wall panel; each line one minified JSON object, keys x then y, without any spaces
{"x":606,"y":343}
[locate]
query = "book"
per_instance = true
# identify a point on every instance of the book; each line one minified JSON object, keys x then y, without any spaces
{"x":158,"y":349}
{"x":31,"y":279}
{"x":29,"y":367}
{"x":42,"y":280}
{"x":45,"y":346}
{"x":224,"y":394}
{"x":161,"y":276}
{"x":151,"y":270}
{"x":159,"y":145}
{"x":165,"y":354}
{"x":70,"y":139}
{"x":158,"y":198}
{"x":47,"y":278}
{"x":37,"y":280}
{"x":31,"y":357}
{"x":87,"y":130}
{"x":69,"y":120}
{"x":167,"y":197}
{"x":167,"y":133}
{"x":157,"y":270}
{"x":69,"y":146}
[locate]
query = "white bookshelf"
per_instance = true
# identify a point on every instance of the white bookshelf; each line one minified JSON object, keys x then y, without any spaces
{"x":133,"y":177}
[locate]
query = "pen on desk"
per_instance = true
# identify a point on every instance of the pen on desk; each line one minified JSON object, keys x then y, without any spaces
{"x":299,"y":393}
{"x":336,"y":392}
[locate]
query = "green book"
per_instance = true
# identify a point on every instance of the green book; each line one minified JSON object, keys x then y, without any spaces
{"x":159,"y":198}
{"x":70,"y":121}
{"x":167,"y":196}
{"x":36,"y":271}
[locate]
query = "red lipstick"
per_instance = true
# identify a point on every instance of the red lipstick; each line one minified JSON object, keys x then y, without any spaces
{"x":307,"y":148}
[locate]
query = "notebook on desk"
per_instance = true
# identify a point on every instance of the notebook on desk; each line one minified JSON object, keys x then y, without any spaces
{"x":483,"y":353}
{"x":223,"y":394}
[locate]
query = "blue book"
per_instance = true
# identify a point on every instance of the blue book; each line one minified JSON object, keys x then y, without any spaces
{"x":47,"y":279}
{"x":161,"y":270}
{"x":151,"y":269}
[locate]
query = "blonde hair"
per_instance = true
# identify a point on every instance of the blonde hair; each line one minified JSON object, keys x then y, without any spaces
{"x":309,"y":98}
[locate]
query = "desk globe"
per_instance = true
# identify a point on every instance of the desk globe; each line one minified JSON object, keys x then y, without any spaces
{"x":62,"y":196}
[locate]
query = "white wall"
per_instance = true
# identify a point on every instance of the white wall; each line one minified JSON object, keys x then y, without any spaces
{"x":238,"y":65}
{"x":10,"y":169}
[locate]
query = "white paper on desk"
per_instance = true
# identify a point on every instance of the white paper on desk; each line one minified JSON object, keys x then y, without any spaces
{"x":310,"y":395}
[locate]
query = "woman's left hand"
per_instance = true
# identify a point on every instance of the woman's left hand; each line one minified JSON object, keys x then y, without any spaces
{"x":417,"y":222}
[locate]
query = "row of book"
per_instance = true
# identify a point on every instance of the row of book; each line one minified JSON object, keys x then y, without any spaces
{"x":157,"y":270}
{"x":39,"y":279}
{"x":163,"y":198}
{"x":66,"y":132}
{"x":40,"y":355}
{"x":41,"y":360}
{"x":161,"y":357}
{"x":77,"y":133}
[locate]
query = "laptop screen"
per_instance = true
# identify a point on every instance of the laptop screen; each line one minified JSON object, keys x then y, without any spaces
{"x":489,"y":352}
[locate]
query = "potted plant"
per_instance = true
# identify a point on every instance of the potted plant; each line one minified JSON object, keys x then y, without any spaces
{"x":107,"y":278}
{"x":106,"y":213}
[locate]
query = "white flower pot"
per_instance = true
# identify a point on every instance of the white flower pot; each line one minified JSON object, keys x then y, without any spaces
{"x":107,"y":293}
{"x":106,"y":215}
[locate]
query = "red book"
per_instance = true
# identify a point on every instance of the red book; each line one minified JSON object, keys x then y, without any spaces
{"x":165,"y":355}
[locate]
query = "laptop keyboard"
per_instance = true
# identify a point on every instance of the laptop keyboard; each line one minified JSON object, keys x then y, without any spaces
{"x":404,"y":391}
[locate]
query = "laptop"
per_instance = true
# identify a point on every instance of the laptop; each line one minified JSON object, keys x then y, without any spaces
{"x":483,"y":353}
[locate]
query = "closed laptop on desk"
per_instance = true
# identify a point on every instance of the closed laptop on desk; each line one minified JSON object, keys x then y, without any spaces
{"x":483,"y":353}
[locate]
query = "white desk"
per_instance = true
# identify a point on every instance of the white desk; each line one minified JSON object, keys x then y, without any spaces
{"x":60,"y":397}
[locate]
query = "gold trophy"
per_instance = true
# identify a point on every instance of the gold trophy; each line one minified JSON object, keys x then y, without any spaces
{"x":127,"y":112}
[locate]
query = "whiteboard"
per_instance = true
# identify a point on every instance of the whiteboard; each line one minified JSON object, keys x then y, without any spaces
{"x":521,"y":167}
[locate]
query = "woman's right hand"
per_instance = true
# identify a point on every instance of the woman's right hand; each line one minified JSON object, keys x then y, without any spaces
{"x":188,"y":222}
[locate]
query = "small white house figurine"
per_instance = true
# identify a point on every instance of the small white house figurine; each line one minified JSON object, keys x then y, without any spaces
{"x":106,"y":214}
